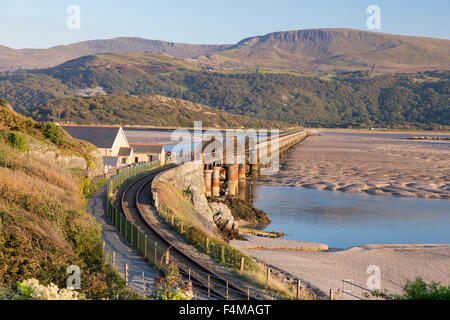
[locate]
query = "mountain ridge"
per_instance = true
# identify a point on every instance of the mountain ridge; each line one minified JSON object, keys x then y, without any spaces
{"x":13,"y":59}
{"x":308,"y":50}
{"x":339,"y":49}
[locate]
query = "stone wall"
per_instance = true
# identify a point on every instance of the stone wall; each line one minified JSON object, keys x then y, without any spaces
{"x":188,"y":177}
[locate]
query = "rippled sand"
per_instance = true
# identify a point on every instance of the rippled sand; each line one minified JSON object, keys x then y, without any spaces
{"x":387,"y":164}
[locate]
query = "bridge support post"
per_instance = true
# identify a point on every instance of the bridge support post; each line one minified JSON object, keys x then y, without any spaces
{"x":232,"y":179}
{"x":216,"y":182}
{"x":242,"y":190}
{"x":254,"y":170}
{"x":242,"y":172}
{"x":208,"y":182}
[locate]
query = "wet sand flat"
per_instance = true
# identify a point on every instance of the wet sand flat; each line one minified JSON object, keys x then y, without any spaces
{"x":379,"y":164}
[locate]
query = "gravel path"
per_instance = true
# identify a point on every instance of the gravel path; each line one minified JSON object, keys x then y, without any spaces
{"x":125,"y":253}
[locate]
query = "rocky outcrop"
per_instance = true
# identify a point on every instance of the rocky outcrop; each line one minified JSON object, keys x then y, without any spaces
{"x":66,"y":161}
{"x":224,"y":220}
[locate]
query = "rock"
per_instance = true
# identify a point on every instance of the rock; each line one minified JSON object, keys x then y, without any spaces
{"x":224,"y":219}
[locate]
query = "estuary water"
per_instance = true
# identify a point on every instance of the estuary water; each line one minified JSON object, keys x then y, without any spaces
{"x":345,"y":219}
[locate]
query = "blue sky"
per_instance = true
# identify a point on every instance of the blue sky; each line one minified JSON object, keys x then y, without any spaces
{"x":42,"y":23}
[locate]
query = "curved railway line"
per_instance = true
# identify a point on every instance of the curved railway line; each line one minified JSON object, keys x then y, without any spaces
{"x":210,"y":284}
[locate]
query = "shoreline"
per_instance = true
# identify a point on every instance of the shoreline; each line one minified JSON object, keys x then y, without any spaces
{"x":325,"y":270}
{"x":390,"y":131}
{"x":322,"y":270}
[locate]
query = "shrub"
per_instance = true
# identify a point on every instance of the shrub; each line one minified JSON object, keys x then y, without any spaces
{"x":418,"y":290}
{"x":172,"y":286}
{"x":31,"y":289}
{"x":54,"y":133}
{"x":18,"y":141}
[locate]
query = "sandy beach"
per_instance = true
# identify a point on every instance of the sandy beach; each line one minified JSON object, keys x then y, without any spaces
{"x":387,"y":164}
{"x":325,"y":270}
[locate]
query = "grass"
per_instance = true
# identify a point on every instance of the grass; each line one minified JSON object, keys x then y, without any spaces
{"x":44,"y":226}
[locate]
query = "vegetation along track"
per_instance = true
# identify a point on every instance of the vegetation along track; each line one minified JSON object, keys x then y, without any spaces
{"x":218,"y":288}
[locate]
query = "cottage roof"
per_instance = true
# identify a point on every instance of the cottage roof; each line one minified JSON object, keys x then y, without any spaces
{"x":110,"y":161}
{"x":125,"y":151}
{"x":142,"y":148}
{"x":100,"y":136}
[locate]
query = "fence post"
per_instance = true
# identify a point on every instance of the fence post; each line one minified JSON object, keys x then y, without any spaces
{"x":126,"y":274}
{"x":156,"y":249}
{"x":242,"y":263}
{"x":207,"y":245}
{"x":167,"y":257}
{"x":268,"y":276}
{"x":227,"y":290}
{"x":113,"y":258}
{"x":137,"y":240}
{"x":222,"y":254}
{"x":299,"y":288}
{"x":145,"y":246}
{"x":331,"y":294}
{"x":143,"y":283}
{"x":209,"y":285}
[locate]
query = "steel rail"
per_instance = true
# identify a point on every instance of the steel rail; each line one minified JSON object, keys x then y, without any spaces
{"x":186,"y":264}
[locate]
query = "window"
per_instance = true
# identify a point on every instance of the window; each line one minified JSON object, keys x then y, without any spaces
{"x":124,"y":160}
{"x":150,"y":158}
{"x":136,"y":159}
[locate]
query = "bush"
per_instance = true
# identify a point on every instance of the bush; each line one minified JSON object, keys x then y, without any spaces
{"x":418,"y":290}
{"x":172,"y":286}
{"x":54,"y":133}
{"x":18,"y":141}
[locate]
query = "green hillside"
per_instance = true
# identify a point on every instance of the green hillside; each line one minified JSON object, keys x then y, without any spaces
{"x":358,"y":99}
{"x":141,"y":110}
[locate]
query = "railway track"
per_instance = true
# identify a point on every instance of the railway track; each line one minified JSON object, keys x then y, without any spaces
{"x":204,"y":280}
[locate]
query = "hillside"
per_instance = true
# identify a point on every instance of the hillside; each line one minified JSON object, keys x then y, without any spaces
{"x":13,"y":59}
{"x":141,"y":110}
{"x":330,"y":50}
{"x":357,"y":99}
{"x":44,"y":226}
